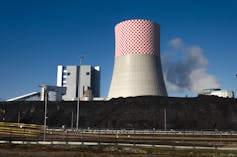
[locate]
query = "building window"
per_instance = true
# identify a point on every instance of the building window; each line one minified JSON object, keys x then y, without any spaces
{"x":68,"y":74}
{"x":87,"y":73}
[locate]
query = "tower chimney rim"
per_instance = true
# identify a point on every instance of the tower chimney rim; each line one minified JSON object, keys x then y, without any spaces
{"x":135,"y":20}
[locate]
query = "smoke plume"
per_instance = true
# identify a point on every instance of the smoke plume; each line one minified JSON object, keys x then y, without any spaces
{"x":185,"y":68}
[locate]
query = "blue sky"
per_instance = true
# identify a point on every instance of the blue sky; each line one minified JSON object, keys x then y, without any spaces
{"x":38,"y":35}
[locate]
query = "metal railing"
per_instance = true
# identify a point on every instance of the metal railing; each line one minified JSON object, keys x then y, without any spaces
{"x":20,"y":129}
{"x":32,"y":132}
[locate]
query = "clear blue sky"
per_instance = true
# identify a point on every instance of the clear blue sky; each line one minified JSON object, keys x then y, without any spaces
{"x":38,"y":35}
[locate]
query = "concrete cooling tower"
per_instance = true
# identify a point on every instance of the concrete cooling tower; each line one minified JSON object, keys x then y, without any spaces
{"x":137,"y":65}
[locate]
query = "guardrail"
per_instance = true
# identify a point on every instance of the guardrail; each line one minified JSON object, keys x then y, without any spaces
{"x":151,"y":132}
{"x":33,"y":132}
{"x":20,"y":129}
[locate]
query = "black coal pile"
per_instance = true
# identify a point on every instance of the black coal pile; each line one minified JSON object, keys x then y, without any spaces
{"x":147,"y":112}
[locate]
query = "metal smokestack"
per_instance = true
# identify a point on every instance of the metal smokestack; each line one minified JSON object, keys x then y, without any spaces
{"x":137,"y":65}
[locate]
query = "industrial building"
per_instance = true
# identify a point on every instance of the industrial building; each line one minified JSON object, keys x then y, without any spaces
{"x":86,"y":77}
{"x":68,"y":79}
{"x":137,"y":65}
{"x":218,"y":92}
{"x":34,"y":96}
{"x":54,"y":93}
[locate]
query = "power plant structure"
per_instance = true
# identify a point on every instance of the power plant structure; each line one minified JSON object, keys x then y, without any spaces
{"x":86,"y":77}
{"x":72,"y":81}
{"x":137,"y":65}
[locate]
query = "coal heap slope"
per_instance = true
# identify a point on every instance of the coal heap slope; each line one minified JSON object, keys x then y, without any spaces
{"x":146,"y":112}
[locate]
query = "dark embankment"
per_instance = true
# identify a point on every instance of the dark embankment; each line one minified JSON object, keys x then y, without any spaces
{"x":199,"y":113}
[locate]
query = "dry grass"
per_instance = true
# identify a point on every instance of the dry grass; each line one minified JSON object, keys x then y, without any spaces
{"x":11,"y":150}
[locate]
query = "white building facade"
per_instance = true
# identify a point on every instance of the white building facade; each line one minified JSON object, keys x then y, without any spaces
{"x":86,"y":77}
{"x":218,"y":92}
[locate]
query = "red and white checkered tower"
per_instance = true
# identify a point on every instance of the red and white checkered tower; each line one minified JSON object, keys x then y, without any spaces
{"x":137,"y":65}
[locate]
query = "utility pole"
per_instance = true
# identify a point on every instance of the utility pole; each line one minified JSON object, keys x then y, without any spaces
{"x":236,"y":78}
{"x":72,"y":121}
{"x":45,"y":110}
{"x":18,"y":116}
{"x":165,"y":119}
{"x":78,"y":94}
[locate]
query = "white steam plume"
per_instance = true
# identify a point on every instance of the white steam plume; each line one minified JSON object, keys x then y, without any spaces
{"x":185,"y":67}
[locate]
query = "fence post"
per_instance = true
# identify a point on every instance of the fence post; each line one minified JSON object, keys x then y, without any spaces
{"x":52,"y":135}
{"x":67,"y":136}
{"x":116,"y":137}
{"x":81,"y":136}
{"x":10,"y":134}
{"x":99,"y":137}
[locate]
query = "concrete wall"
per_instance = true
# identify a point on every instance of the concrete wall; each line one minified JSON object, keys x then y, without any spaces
{"x":95,"y":81}
{"x":85,"y":79}
{"x":71,"y":83}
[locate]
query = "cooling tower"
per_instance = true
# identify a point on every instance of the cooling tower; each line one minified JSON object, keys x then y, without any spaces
{"x":137,"y":66}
